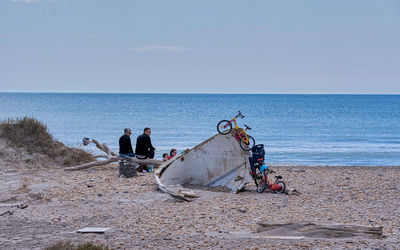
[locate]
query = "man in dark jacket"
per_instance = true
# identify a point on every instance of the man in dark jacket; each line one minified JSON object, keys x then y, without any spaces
{"x":125,"y":146}
{"x":144,"y":149}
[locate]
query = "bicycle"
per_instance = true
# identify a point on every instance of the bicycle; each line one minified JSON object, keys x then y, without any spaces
{"x":247,"y":142}
{"x":278,"y":186}
{"x":259,"y":171}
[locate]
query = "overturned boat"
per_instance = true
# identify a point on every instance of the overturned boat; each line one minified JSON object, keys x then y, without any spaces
{"x":217,"y":162}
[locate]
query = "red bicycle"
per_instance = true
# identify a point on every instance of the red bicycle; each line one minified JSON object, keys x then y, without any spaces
{"x":262,"y":181}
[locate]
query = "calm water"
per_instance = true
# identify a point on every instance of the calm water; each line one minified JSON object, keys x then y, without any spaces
{"x":296,"y":129}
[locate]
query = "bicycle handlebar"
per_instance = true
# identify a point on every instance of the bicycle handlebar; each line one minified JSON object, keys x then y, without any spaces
{"x":247,"y":127}
{"x":240,"y":115}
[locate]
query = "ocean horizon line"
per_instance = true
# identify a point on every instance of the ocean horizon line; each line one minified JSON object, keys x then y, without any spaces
{"x":199,"y":93}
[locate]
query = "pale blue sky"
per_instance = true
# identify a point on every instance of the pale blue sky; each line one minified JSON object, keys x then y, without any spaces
{"x":203,"y":46}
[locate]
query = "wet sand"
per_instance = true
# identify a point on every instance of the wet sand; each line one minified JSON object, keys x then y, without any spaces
{"x":140,"y":216}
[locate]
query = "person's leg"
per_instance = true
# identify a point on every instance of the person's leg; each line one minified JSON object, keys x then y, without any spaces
{"x":141,"y":166}
{"x":151,"y":154}
{"x":150,"y":168}
{"x":127,"y":155}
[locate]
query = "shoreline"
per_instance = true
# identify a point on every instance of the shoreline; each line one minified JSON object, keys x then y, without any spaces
{"x":329,"y":167}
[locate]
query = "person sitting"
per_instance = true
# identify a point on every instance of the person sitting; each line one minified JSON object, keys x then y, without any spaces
{"x":125,"y":145}
{"x":172,"y":153}
{"x":144,"y":149}
{"x":165,"y":157}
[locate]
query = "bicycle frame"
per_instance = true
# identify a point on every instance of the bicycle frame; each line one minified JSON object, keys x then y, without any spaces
{"x":234,"y":122}
{"x":246,"y":141}
{"x":271,"y":186}
{"x":267,"y":180}
{"x":244,"y":138}
{"x":240,"y":134}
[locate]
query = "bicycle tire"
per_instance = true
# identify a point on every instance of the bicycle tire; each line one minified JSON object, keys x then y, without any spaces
{"x":248,"y":146}
{"x":263,"y":183}
{"x":282,"y":183}
{"x":224,"y":124}
{"x":257,"y":178}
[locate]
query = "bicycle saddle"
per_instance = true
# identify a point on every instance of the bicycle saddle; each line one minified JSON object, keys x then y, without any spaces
{"x":278,"y":177}
{"x":247,"y":127}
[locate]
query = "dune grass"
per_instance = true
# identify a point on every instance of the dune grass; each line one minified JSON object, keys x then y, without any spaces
{"x":34,"y":136}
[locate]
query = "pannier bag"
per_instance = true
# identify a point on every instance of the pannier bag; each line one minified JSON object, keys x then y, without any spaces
{"x":257,"y":157}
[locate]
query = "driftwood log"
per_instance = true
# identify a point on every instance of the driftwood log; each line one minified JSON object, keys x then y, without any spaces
{"x":110,"y":157}
{"x":178,"y":193}
{"x":316,"y":230}
{"x":11,"y":208}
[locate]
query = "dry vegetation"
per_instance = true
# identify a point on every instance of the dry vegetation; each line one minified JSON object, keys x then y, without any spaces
{"x":33,"y":135}
{"x":69,"y":246}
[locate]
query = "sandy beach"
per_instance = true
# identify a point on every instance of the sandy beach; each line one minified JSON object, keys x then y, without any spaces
{"x":140,"y":216}
{"x":209,"y":94}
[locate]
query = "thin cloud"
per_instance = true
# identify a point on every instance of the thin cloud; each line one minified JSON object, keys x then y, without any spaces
{"x":33,"y":1}
{"x":161,"y":48}
{"x":72,"y":34}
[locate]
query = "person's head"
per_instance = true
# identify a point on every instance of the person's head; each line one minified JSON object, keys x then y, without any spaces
{"x":127,"y":131}
{"x":172,"y":152}
{"x":165,"y":155}
{"x":147,"y":131}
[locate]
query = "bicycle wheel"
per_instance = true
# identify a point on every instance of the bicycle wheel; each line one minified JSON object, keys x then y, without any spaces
{"x":257,"y":178}
{"x":283,"y":187}
{"x":247,"y":146}
{"x":224,"y":127}
{"x":262,"y":184}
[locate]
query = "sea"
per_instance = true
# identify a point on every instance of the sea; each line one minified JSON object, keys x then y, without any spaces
{"x":312,"y":130}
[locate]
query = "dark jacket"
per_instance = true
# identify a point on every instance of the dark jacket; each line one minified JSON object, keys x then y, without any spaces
{"x":143,"y":145}
{"x":125,"y":146}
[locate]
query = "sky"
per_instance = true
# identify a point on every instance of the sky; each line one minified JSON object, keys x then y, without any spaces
{"x":187,"y":46}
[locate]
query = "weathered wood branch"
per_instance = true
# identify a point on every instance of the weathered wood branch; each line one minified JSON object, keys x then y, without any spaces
{"x":111,"y":160}
{"x":11,"y":208}
{"x":147,"y":161}
{"x":316,"y":230}
{"x":181,"y":195}
{"x":110,"y":157}
{"x":103,"y":147}
{"x":93,"y":163}
{"x":100,"y":156}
